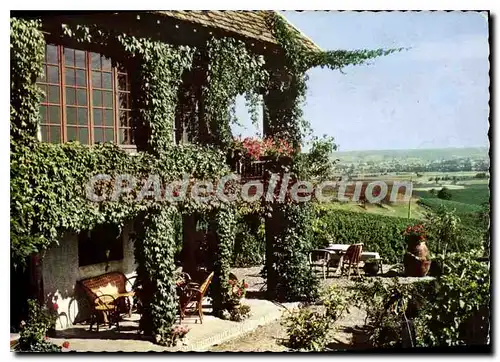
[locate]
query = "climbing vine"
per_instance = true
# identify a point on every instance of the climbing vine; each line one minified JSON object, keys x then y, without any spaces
{"x":288,"y":246}
{"x":155,"y":256}
{"x":225,"y":224}
{"x":48,"y":180}
{"x":232,"y":71}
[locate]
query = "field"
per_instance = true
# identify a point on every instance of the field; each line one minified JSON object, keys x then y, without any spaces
{"x":397,"y":210}
{"x":472,"y":194}
{"x":417,"y":154}
{"x":466,"y":199}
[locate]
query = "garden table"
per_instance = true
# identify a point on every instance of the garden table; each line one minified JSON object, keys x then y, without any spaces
{"x":342,"y":248}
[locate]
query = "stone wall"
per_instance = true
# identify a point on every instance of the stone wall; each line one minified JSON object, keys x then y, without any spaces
{"x":61,"y":272}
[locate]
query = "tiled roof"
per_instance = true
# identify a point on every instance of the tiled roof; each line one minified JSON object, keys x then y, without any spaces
{"x":251,"y":24}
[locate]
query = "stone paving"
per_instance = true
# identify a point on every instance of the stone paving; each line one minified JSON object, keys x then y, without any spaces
{"x":200,"y":337}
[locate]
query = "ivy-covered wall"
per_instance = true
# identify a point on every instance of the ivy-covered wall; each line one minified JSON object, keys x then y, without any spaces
{"x":47,"y":180}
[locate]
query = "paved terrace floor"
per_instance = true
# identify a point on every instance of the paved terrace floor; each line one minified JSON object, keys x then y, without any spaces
{"x":200,"y":337}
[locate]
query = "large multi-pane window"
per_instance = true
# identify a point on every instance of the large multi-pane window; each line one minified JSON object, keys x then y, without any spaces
{"x":87,"y":98}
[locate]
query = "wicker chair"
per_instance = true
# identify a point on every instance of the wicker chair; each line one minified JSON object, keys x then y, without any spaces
{"x":192,"y":295}
{"x":351,"y":259}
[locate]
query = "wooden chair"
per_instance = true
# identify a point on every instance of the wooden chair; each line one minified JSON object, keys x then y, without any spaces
{"x":320,"y":258}
{"x":352,"y":258}
{"x":193,"y":294}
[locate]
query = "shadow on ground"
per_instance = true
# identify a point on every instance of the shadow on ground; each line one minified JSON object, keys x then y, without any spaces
{"x":359,"y":341}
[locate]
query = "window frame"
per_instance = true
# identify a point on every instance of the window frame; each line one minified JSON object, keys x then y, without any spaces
{"x":89,"y":88}
{"x":92,"y":246}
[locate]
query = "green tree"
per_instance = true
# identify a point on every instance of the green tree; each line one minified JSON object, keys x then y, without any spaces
{"x":444,"y":194}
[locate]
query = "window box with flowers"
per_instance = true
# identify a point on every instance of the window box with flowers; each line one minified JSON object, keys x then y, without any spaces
{"x":416,"y":259}
{"x":248,"y":156}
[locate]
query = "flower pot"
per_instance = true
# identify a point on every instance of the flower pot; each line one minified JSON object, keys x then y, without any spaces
{"x":371,"y":268}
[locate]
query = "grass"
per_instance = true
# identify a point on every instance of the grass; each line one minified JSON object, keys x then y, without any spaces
{"x":395,"y":210}
{"x":474,"y":194}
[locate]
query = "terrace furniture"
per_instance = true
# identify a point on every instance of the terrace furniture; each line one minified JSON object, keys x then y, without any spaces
{"x":108,"y":297}
{"x":341,"y":249}
{"x":192,"y":295}
{"x":321,"y":258}
{"x":351,"y":258}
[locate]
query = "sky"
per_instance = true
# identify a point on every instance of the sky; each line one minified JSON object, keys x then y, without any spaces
{"x":434,"y":95}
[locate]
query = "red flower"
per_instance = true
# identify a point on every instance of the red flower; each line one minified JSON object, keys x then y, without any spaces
{"x":46,"y":338}
{"x":56,"y":307}
{"x":245,"y":285}
{"x":65,"y":344}
{"x":239,"y":293}
{"x":231,"y":282}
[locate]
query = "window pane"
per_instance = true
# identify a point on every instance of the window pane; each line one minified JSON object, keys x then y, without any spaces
{"x":52,"y":54}
{"x":98,"y":135}
{"x":69,"y":57}
{"x":45,"y":133}
{"x":122,"y":82}
{"x":123,"y":100}
{"x":80,"y":58}
{"x":109,"y":135}
{"x":124,"y":118}
{"x":72,"y":133}
{"x":96,"y":79}
{"x":98,"y":117}
{"x":54,"y":114}
{"x":82,"y":117}
{"x":70,"y":96}
{"x":95,"y":60}
{"x":97,"y":98}
{"x":81,"y":78}
{"x":70,"y":77}
{"x":52,"y":74}
{"x":108,"y":117}
{"x":106,"y":81}
{"x":42,"y":76}
{"x":106,"y":63}
{"x":108,"y":99}
{"x":43,"y":99}
{"x":125,"y":136}
{"x":83,"y":135}
{"x":43,"y":113}
{"x":55,"y":134}
{"x":81,"y":96}
{"x":71,"y":115}
{"x":54,"y":94}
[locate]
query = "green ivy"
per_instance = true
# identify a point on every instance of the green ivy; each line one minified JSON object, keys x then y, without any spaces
{"x":232,"y":71}
{"x":26,"y":55}
{"x":225,"y":223}
{"x":155,"y":249}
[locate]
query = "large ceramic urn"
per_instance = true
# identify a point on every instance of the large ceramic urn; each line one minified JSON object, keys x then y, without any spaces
{"x":416,"y":260}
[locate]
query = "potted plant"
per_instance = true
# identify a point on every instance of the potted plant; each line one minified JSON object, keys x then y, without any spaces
{"x":372,"y":266}
{"x":237,"y":292}
{"x":416,"y":259}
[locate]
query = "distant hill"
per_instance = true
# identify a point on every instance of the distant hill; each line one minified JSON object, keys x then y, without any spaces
{"x":425,"y":155}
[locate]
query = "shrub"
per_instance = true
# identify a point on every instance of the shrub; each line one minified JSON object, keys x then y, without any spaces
{"x":444,"y":194}
{"x":32,"y":336}
{"x":239,"y":314}
{"x":249,"y":246}
{"x":308,"y":328}
{"x":450,"y":311}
